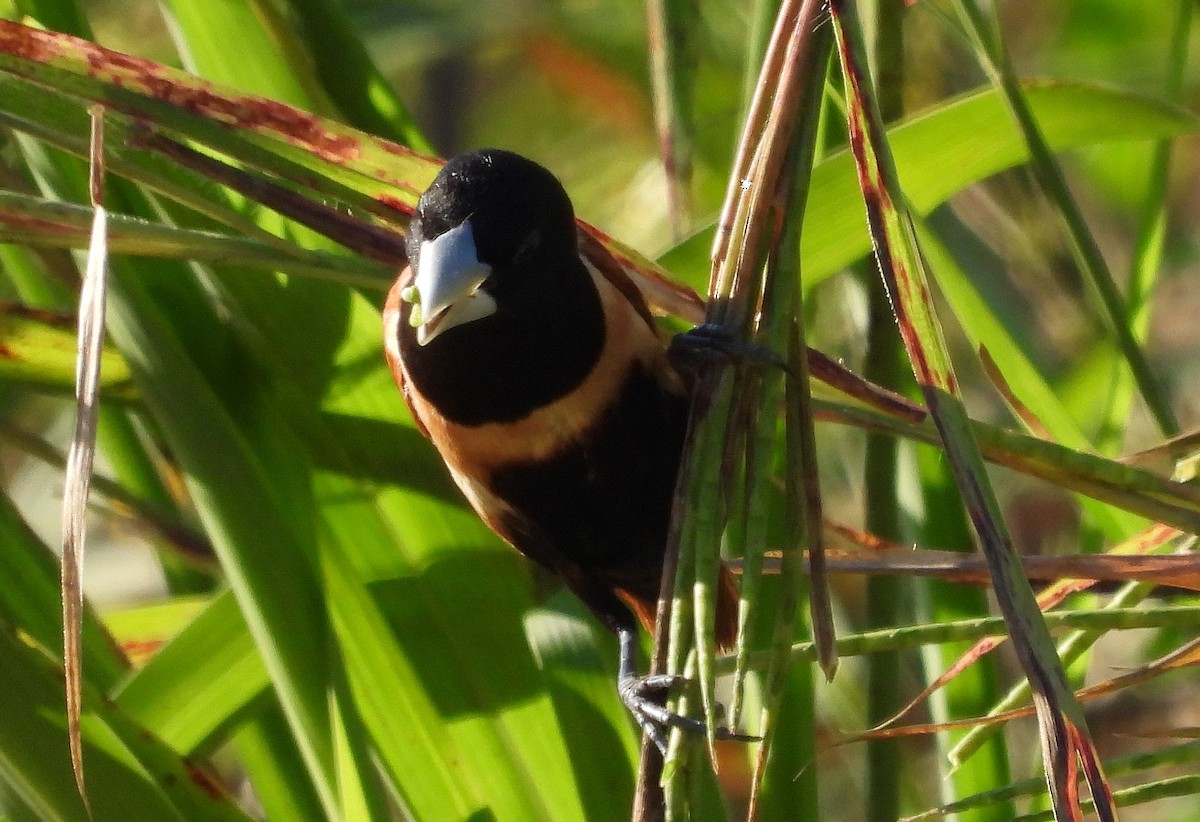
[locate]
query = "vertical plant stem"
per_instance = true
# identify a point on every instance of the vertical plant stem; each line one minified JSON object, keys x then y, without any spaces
{"x":763,"y":20}
{"x":885,"y":365}
{"x":974,"y":691}
{"x":670,"y":26}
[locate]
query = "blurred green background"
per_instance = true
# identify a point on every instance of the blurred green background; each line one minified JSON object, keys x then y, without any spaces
{"x":568,"y":84}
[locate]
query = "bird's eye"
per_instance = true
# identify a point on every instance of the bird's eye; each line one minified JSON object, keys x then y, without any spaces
{"x":528,"y":246}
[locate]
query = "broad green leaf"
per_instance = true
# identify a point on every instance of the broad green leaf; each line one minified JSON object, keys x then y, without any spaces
{"x":1066,"y":742}
{"x":131,"y":774}
{"x":38,"y":348}
{"x":942,"y":151}
{"x":200,"y":681}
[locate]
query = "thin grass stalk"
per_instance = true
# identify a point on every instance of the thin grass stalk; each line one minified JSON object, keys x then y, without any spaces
{"x":976,"y":628}
{"x":1070,"y":649}
{"x":791,"y":573}
{"x":674,"y":616}
{"x":770,"y":193}
{"x":744,"y":531}
{"x":1187,"y":753}
{"x":758,"y":38}
{"x":680,"y":782}
{"x":671,"y":26}
{"x":648,"y":799}
{"x":734,"y":293}
{"x":695,"y":642}
{"x":1148,"y":252}
{"x":760,"y":451}
{"x":797,"y":100}
{"x":1168,"y":788}
{"x":782,"y":313}
{"x":755,"y":122}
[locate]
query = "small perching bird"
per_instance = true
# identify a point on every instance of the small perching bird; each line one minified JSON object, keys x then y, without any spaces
{"x":541,"y":379}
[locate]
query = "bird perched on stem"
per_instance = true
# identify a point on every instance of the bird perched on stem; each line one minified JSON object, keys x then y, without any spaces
{"x":541,"y":379}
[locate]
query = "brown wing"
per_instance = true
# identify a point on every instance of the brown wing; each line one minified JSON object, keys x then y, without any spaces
{"x":614,"y":272}
{"x":659,"y":292}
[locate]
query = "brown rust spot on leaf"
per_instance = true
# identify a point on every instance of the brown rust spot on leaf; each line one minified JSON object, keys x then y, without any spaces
{"x":33,"y":44}
{"x":178,"y":89}
{"x":201,"y":97}
{"x":139,"y":651}
{"x":43,"y":316}
{"x":202,"y":780}
{"x":396,"y":203}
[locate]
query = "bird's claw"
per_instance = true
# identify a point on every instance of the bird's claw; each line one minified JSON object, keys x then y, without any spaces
{"x":644,"y":697}
{"x":709,"y":343}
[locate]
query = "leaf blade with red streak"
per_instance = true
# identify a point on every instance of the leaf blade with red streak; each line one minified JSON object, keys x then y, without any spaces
{"x":1064,"y":735}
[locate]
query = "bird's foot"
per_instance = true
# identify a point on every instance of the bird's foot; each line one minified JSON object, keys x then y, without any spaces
{"x":645,"y":696}
{"x":711,"y":344}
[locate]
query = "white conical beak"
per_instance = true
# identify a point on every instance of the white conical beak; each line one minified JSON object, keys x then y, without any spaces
{"x":447,"y":284}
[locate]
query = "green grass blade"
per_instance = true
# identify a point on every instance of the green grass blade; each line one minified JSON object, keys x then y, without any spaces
{"x":130,"y":773}
{"x":1064,"y":731}
{"x":1124,"y":486}
{"x":988,"y":34}
{"x":200,"y":681}
{"x":353,"y":81}
{"x":1148,"y":255}
{"x":266,"y":747}
{"x":52,"y":224}
{"x":37,"y":348}
{"x":29,"y":599}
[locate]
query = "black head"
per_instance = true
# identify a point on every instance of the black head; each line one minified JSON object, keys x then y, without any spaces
{"x":516,"y":208}
{"x":508,"y":316}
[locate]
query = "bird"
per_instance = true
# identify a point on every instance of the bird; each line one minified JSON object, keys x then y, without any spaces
{"x":540,"y":377}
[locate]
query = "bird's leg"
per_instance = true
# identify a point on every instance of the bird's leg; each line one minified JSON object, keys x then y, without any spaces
{"x":710,"y":343}
{"x":644,"y":696}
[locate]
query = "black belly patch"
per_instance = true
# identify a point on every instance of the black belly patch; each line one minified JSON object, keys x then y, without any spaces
{"x":604,"y":502}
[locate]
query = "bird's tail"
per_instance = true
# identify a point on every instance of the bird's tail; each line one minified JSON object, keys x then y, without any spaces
{"x":646,"y":608}
{"x":727,"y":609}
